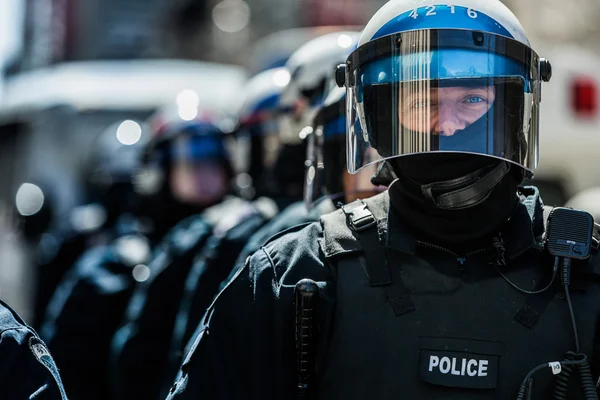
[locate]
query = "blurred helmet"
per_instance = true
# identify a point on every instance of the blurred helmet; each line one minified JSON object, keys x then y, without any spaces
{"x":274,"y":49}
{"x":190,"y":134}
{"x":112,"y":160}
{"x":432,"y":78}
{"x":257,"y":132}
{"x":311,"y":67}
{"x":115,"y":154}
{"x":326,"y":155}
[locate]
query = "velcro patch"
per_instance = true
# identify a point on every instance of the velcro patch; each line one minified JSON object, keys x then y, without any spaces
{"x":460,"y":363}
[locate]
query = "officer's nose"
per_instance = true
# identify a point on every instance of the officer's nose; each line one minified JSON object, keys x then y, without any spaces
{"x":449,"y":120}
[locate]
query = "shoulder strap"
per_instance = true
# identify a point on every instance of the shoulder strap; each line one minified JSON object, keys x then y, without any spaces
{"x":363,"y":223}
{"x":338,"y":235}
{"x":359,"y":227}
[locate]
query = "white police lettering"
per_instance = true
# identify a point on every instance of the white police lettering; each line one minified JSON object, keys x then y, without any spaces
{"x":434,"y":361}
{"x":472,"y":372}
{"x":430,"y":11}
{"x":458,"y":366}
{"x":445,"y":365}
{"x":454,"y":371}
{"x":482,"y":368}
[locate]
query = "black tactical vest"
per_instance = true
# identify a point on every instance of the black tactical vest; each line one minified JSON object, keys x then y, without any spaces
{"x":423,"y":323}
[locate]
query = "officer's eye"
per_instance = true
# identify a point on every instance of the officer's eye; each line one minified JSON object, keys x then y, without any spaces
{"x":475,"y":99}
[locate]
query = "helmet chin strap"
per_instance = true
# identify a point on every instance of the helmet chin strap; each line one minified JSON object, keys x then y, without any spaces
{"x":468,"y":190}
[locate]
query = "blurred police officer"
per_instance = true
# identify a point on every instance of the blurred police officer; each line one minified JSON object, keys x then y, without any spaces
{"x":185,"y":168}
{"x":109,"y":195}
{"x":139,"y":349}
{"x":328,"y":133}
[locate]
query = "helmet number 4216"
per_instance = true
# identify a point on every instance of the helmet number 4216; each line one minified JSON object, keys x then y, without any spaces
{"x":431,"y":11}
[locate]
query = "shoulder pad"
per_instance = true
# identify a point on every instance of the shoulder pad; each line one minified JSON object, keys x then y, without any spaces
{"x":133,"y":250}
{"x":183,"y":238}
{"x":284,"y":232}
{"x":338,"y":237}
{"x":266,"y":207}
{"x":214,"y":214}
{"x":233,"y":218}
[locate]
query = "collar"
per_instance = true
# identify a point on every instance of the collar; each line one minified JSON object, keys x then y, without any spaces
{"x":518,"y":233}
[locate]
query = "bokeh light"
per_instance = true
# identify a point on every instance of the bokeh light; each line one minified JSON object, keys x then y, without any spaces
{"x":129,"y":132}
{"x":231,"y":15}
{"x":29,"y":199}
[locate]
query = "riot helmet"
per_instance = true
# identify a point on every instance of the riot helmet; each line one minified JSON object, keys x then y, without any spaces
{"x":311,"y":68}
{"x":326,"y":173}
{"x":186,"y":165}
{"x":257,"y":131}
{"x":440,"y":80}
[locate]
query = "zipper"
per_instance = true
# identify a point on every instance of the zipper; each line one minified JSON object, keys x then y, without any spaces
{"x":462,"y":260}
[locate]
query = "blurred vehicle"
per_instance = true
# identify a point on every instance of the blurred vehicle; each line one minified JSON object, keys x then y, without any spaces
{"x":570,"y":124}
{"x":50,"y":116}
{"x":587,"y":200}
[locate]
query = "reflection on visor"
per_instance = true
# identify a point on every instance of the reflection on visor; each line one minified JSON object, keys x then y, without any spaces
{"x":474,"y":117}
{"x":443,"y":91}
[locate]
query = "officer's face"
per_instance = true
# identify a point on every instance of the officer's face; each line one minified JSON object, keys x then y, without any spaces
{"x":198,"y":183}
{"x":444,"y":111}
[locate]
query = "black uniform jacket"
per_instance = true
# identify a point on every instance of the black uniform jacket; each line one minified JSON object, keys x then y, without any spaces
{"x":450,"y":326}
{"x":27,"y":370}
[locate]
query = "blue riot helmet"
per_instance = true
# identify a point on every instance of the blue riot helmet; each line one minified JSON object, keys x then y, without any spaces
{"x":257,"y":131}
{"x":326,"y":157}
{"x":186,"y":165}
{"x":457,"y":79}
{"x":311,"y":68}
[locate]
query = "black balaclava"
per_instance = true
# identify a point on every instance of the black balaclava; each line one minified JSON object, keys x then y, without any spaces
{"x":461,"y":227}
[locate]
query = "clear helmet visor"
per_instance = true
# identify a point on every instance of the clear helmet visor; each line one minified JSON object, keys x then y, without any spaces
{"x":325,"y":173}
{"x":433,"y":91}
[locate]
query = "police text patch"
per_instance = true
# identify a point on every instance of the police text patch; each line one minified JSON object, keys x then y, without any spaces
{"x":460,"y":363}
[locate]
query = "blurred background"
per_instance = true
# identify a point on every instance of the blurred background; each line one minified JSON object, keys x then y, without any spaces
{"x":71,"y":69}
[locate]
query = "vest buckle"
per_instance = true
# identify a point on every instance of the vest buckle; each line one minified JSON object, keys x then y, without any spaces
{"x":361,"y":219}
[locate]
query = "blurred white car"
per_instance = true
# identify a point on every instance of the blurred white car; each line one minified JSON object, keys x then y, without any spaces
{"x":569,"y":124}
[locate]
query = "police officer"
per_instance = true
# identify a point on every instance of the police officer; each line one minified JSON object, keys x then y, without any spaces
{"x":28,"y":370}
{"x":109,"y":195}
{"x":139,"y":349}
{"x":330,"y":125}
{"x":441,"y":286}
{"x":185,"y":168}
